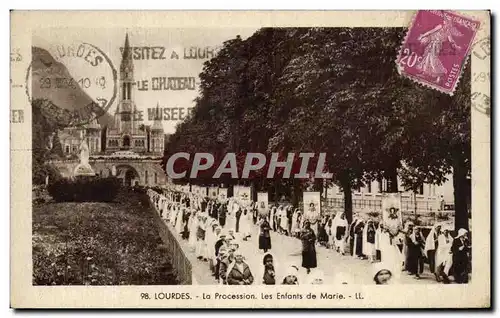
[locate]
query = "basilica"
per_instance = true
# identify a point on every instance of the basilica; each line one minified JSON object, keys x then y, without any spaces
{"x":125,"y":148}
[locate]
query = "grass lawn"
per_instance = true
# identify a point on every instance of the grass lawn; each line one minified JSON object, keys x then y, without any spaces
{"x":99,"y":244}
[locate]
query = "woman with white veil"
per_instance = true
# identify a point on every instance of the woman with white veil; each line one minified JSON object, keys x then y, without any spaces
{"x":173,"y":213}
{"x":389,"y":252}
{"x":179,"y":220}
{"x":431,"y":243}
{"x":444,"y":257}
{"x":193,"y":227}
{"x":165,"y":209}
{"x":339,"y":232}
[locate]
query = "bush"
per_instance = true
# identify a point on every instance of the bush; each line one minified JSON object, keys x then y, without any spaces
{"x":85,"y":189}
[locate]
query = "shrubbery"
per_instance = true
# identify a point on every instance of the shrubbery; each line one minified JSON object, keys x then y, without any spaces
{"x":85,"y":189}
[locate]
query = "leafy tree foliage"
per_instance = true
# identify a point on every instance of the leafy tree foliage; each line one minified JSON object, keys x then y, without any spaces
{"x":332,"y":90}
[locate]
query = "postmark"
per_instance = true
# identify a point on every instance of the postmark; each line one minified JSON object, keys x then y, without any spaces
{"x":436,"y":49}
{"x":76,"y":79}
{"x":481,"y":76}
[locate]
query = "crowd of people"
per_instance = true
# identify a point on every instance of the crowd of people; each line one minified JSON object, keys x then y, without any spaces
{"x":213,"y":228}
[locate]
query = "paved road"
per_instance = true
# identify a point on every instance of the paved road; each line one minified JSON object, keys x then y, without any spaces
{"x":287,"y":250}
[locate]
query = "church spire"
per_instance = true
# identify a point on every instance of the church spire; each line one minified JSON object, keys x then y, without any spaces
{"x":127,"y":64}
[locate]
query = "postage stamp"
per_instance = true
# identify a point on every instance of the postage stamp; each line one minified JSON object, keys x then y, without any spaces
{"x":436,"y":49}
{"x":182,"y":160}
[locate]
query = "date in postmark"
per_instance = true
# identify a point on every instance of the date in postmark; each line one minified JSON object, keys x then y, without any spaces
{"x":436,"y":49}
{"x":78,"y":79}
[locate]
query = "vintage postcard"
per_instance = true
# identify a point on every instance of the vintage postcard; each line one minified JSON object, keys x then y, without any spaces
{"x":250,"y":159}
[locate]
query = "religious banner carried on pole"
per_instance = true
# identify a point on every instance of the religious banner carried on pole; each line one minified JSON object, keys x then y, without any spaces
{"x":222,"y":194}
{"x":245,"y":196}
{"x":263,"y":203}
{"x":391,"y":212}
{"x":213,"y":192}
{"x":312,"y":206}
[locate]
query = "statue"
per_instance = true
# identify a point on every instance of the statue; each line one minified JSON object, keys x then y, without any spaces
{"x":84,"y":152}
{"x":84,"y":168}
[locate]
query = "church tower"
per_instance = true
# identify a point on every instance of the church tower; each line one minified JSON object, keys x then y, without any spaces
{"x":126,"y":105}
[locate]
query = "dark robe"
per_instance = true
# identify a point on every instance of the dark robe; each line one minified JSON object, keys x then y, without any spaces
{"x":308,"y":249}
{"x":218,"y":245}
{"x":223,"y":266}
{"x":351,"y":239}
{"x":269,"y":276}
{"x":358,"y":230}
{"x":322,"y":235}
{"x":340,"y":232}
{"x":265,"y":236}
{"x":238,"y":215}
{"x":460,"y":261}
{"x":275,"y":220}
{"x":370,"y":234}
{"x":415,"y":256}
{"x":222,"y":215}
{"x":185,"y":219}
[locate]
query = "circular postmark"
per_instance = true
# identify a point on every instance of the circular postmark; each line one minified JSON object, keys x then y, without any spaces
{"x":75,"y":83}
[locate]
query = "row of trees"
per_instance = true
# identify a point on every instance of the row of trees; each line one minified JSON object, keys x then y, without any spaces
{"x":333,"y":90}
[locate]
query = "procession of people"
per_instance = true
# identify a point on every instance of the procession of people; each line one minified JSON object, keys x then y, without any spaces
{"x":214,"y":229}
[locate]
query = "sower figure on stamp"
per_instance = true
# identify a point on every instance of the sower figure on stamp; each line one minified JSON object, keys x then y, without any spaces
{"x":433,"y":40}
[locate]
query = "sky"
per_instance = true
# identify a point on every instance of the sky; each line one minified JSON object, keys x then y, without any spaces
{"x":184,"y":42}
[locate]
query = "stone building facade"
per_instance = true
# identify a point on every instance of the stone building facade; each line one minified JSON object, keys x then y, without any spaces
{"x":132,"y":150}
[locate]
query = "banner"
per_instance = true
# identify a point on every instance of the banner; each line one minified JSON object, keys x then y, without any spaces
{"x":222,"y":194}
{"x":391,"y":212}
{"x":213,"y":192}
{"x":262,"y":203}
{"x":312,"y":205}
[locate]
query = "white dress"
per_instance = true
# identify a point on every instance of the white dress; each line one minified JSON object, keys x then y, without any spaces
{"x":443,"y":255}
{"x":390,"y":254}
{"x":193,"y":227}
